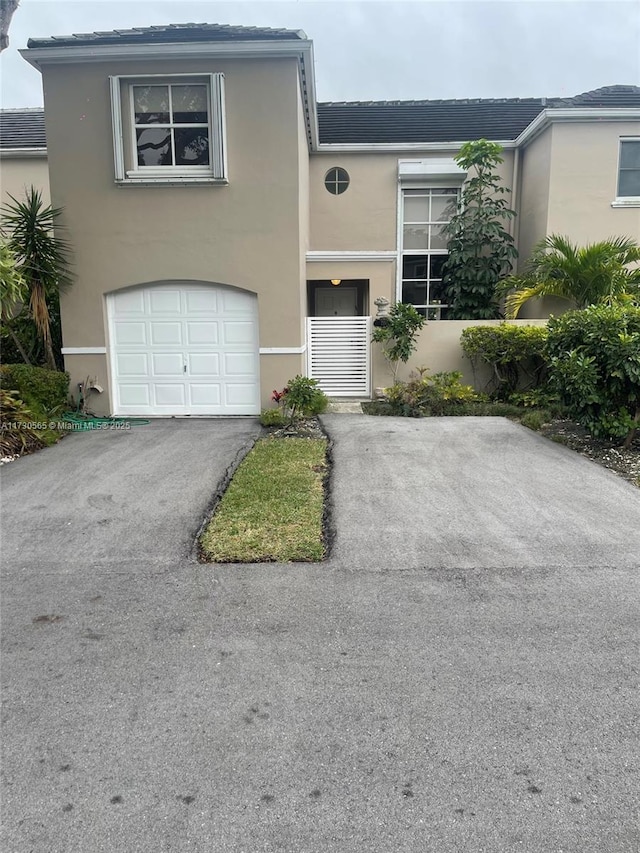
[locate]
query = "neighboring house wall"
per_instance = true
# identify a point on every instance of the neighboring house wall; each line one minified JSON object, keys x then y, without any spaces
{"x":584,"y":180}
{"x":533,"y":214}
{"x":246,"y":234}
{"x":18,"y":173}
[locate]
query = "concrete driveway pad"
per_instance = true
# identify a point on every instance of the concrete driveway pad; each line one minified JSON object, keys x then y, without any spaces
{"x":460,"y":675}
{"x":474,"y":492}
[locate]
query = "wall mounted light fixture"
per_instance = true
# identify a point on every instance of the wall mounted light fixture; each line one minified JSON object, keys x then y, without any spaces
{"x":335,"y":281}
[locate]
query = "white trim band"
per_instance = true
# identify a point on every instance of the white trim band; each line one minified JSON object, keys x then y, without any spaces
{"x":283,"y":350}
{"x":628,"y":201}
{"x":397,"y":147}
{"x":336,"y":257}
{"x":97,"y":52}
{"x":83,"y":350}
{"x":15,"y":153}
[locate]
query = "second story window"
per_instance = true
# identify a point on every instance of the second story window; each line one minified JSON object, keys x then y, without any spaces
{"x":169,"y":130}
{"x":629,"y":171}
{"x":171,"y":124}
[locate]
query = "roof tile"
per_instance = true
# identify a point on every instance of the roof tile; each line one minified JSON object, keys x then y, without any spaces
{"x":170,"y":33}
{"x":22,"y":129}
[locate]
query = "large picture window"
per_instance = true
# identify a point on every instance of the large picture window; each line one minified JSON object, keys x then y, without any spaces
{"x":424,"y":248}
{"x":169,"y":129}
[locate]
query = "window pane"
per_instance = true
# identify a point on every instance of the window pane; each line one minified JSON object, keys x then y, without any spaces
{"x":189,"y":104}
{"x":192,"y":146}
{"x":416,"y":209}
{"x":151,"y":104}
{"x":438,"y":239}
{"x":436,"y":262}
{"x":437,"y":292}
{"x":442,"y":208}
{"x":154,"y":147}
{"x":414,"y":292}
{"x":630,"y":155}
{"x":629,"y":182}
{"x":414,"y":266}
{"x":416,"y":237}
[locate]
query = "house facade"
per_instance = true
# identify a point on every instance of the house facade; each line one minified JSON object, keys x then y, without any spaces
{"x":229,"y":232}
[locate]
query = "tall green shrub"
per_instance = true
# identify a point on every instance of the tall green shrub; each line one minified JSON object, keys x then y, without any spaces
{"x":480,"y":248}
{"x":595,"y":366}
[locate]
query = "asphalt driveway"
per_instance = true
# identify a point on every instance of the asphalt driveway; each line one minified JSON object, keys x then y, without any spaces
{"x":460,"y":675}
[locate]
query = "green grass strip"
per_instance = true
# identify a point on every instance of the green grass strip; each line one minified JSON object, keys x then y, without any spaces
{"x":273,"y":508}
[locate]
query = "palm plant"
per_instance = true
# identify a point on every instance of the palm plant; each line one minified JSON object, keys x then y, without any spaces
{"x":13,"y":293}
{"x":41,"y":258}
{"x":595,"y":274}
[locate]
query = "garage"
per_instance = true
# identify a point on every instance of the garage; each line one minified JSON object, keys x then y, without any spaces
{"x":184,"y":348}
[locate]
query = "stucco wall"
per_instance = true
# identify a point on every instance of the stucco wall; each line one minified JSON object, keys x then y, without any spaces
{"x":364,"y":217}
{"x":246,"y":234}
{"x":535,"y":175}
{"x":583,"y":183}
{"x":20,"y":173}
{"x":439,"y":349}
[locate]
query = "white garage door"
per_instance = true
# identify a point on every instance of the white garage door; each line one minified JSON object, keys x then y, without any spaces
{"x":184,"y":349}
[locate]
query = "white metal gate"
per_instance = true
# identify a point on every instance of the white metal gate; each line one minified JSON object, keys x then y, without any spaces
{"x":338,"y":355}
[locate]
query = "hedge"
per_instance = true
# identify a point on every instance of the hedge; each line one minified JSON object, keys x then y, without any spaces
{"x":43,"y":391}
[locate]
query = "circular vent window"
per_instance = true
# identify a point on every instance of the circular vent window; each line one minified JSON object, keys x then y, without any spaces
{"x":336,"y":180}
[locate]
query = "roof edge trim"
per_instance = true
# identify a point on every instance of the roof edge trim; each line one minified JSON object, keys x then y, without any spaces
{"x":39,"y":56}
{"x":574,"y":114}
{"x":399,"y":147}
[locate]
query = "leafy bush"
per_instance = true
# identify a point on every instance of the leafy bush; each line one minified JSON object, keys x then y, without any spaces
{"x":536,"y":419}
{"x":272,"y":418}
{"x":440,"y":394}
{"x":515,"y":354}
{"x":301,"y":398}
{"x":595,"y":367}
{"x":16,"y":434}
{"x":43,"y":391}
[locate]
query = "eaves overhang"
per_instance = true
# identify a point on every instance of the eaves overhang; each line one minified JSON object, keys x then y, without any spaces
{"x":550,"y":116}
{"x":300,"y":49}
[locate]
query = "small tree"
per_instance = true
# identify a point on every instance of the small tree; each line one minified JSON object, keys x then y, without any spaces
{"x":41,"y":258}
{"x":398,"y":335}
{"x":480,"y":248}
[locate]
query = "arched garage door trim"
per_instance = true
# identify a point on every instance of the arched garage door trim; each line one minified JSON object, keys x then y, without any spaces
{"x":183,"y":348}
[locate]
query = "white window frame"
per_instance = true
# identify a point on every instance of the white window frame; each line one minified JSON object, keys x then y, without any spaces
{"x":215,"y":173}
{"x":624,"y":200}
{"x":433,"y":310}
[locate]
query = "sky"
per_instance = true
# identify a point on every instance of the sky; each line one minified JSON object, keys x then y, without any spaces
{"x":382,"y":50}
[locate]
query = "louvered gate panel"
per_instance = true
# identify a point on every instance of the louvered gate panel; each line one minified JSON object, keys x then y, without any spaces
{"x":338,"y":354}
